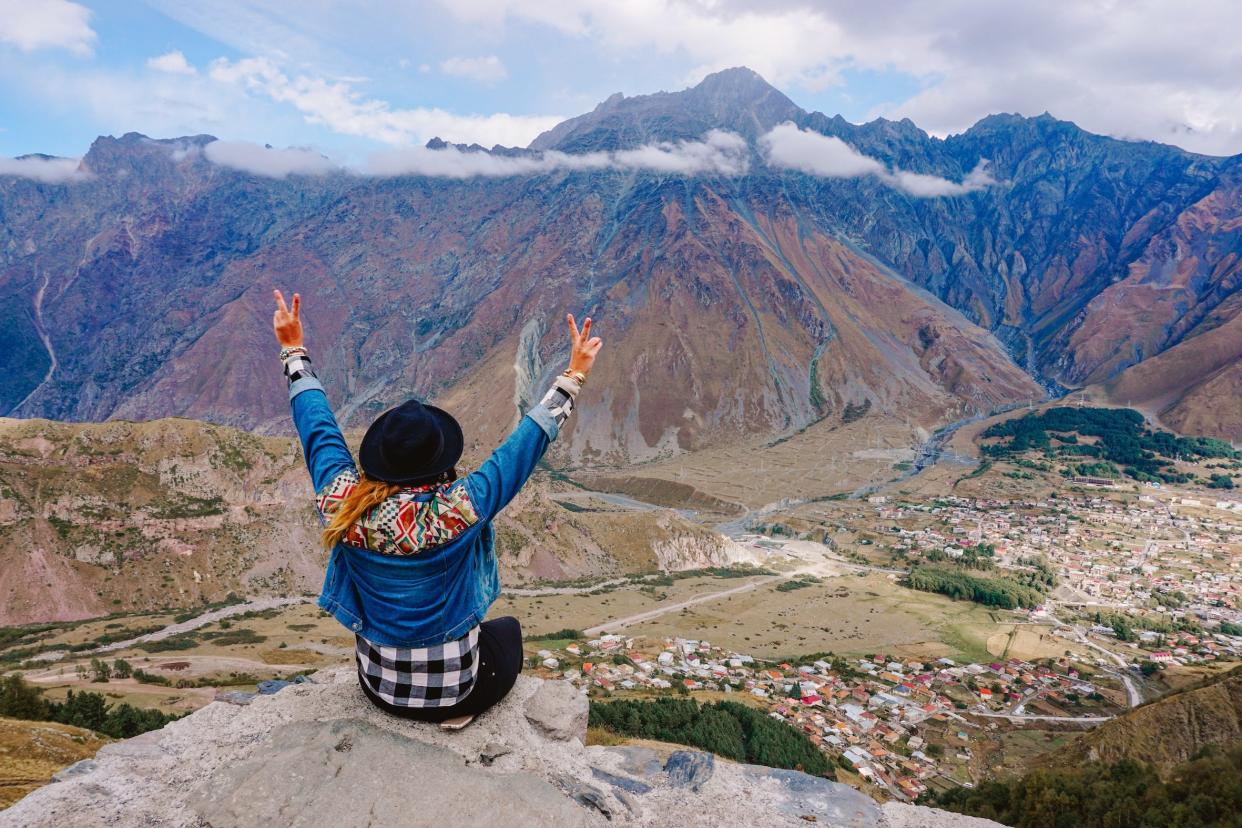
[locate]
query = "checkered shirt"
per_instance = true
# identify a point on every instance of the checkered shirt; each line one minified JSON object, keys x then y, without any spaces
{"x":437,"y":676}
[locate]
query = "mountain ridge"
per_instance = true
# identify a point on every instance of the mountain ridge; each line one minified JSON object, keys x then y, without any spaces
{"x":776,"y":260}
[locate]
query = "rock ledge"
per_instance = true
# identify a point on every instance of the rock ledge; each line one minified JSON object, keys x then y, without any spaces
{"x":320,"y":754}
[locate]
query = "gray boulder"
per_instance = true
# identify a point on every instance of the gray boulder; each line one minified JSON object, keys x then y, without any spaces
{"x":559,"y":710}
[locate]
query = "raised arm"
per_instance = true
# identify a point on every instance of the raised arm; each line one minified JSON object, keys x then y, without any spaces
{"x":503,"y":474}
{"x":323,"y":445}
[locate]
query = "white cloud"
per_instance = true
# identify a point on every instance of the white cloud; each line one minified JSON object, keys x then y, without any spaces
{"x":789,"y":147}
{"x":1160,"y":71}
{"x":174,"y":63}
{"x":336,"y":105}
{"x":39,"y":168}
{"x":921,"y":185}
{"x":719,"y":153}
{"x":487,"y":69}
{"x":810,"y":152}
{"x":786,"y":45}
{"x":266,"y":161}
{"x":44,"y":24}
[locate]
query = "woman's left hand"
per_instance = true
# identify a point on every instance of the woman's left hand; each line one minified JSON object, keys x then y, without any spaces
{"x":286,"y":323}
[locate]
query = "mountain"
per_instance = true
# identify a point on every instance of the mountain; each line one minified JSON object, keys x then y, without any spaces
{"x":731,"y":304}
{"x":123,"y":517}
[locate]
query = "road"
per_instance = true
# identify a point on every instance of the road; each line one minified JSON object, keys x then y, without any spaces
{"x":535,"y":592}
{"x":1134,"y":697}
{"x":1028,"y":718}
{"x":257,"y":605}
{"x":638,"y":618}
{"x":195,"y":666}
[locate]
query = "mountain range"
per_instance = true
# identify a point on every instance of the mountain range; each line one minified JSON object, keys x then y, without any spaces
{"x":913,"y":277}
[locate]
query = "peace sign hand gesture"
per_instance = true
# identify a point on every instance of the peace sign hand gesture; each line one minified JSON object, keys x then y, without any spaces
{"x":286,"y":323}
{"x":585,"y":346}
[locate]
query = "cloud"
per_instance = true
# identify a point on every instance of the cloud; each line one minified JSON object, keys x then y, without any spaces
{"x":336,"y":105}
{"x":810,"y":152}
{"x":718,"y":153}
{"x":46,"y":24}
{"x":788,"y":147}
{"x":487,"y":69}
{"x":266,"y":161}
{"x":921,"y":185}
{"x":42,"y":168}
{"x":790,"y":44}
{"x":1158,"y":71}
{"x":174,"y":63}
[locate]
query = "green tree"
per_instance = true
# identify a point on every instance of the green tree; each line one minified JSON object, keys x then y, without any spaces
{"x":19,"y":700}
{"x":101,"y":670}
{"x":89,"y":710}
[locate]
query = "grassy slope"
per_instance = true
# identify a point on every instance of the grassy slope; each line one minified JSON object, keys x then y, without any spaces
{"x":1170,"y":730}
{"x":30,"y":752}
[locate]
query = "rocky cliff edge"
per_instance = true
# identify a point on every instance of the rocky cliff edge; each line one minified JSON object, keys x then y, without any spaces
{"x":320,"y":754}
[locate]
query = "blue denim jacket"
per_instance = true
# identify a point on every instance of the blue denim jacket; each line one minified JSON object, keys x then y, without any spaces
{"x":439,"y":594}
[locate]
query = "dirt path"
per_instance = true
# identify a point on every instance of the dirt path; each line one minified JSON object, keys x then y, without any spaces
{"x":197,"y":665}
{"x":257,"y":605}
{"x":638,"y":618}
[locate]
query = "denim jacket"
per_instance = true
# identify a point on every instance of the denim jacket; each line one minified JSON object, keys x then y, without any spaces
{"x":442,"y":591}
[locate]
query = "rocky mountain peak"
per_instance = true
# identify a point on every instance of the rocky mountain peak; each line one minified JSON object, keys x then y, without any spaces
{"x":320,"y":754}
{"x":138,"y":153}
{"x":738,"y":100}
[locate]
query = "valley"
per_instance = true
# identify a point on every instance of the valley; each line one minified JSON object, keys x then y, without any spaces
{"x":1144,"y":596}
{"x":885,"y":456}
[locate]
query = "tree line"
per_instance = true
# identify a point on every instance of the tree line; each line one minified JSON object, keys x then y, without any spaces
{"x":725,"y":728}
{"x":1205,"y":792}
{"x":1122,"y":437}
{"x":999,"y":591}
{"x":19,"y":700}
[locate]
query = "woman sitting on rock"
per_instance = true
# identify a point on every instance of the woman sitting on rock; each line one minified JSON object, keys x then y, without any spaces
{"x":412,"y":570}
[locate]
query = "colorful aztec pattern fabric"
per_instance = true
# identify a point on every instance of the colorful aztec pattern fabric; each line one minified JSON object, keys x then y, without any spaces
{"x":406,"y":523}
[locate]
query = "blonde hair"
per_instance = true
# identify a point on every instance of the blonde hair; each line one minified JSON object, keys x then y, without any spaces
{"x":368,"y":494}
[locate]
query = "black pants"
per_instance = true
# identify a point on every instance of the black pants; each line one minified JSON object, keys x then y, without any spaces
{"x":500,"y":661}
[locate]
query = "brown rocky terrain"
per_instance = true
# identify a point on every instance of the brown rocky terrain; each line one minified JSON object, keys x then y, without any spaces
{"x":123,"y":516}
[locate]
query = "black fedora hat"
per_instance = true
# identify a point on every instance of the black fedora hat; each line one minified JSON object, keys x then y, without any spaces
{"x":411,"y":443}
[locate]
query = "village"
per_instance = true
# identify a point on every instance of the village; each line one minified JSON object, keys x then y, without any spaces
{"x":1140,"y":584}
{"x":899,"y":726}
{"x":1169,"y":568}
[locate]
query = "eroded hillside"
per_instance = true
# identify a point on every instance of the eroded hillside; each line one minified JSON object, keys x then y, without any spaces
{"x":127,"y":516}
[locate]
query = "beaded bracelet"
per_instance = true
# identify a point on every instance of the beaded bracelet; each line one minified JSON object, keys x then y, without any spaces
{"x":285,"y":353}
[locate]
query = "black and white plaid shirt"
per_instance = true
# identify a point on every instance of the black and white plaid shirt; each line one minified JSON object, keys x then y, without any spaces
{"x":442,"y":675}
{"x":438,"y":676}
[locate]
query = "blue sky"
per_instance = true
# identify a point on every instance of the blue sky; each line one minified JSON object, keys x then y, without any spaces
{"x":350,"y":79}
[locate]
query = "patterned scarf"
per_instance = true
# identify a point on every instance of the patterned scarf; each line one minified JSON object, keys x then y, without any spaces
{"x":407,"y":522}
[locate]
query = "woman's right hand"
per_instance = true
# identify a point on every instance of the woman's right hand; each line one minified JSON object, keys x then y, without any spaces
{"x":585,"y":346}
{"x":286,"y":323}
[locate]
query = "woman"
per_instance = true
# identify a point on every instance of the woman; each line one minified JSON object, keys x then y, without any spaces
{"x":412,"y":570}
